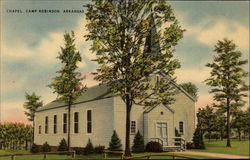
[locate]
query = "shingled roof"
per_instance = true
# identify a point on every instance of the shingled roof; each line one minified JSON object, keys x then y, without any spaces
{"x":91,"y":94}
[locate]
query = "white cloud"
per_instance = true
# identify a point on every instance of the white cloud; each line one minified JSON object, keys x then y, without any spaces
{"x":46,"y":51}
{"x":221,"y":29}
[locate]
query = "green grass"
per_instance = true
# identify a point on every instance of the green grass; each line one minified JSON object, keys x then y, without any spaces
{"x":94,"y":156}
{"x":238,"y":147}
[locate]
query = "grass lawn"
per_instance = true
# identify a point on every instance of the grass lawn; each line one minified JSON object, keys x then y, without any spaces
{"x":238,"y":147}
{"x":94,"y":156}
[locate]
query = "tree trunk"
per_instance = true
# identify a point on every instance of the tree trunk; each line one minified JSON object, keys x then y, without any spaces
{"x":228,"y":124}
{"x":127,"y":143}
{"x":209,"y":136}
{"x":239,"y":135}
{"x":26,"y":145}
{"x":221,"y":136}
{"x":69,"y":111}
{"x":33,"y":129}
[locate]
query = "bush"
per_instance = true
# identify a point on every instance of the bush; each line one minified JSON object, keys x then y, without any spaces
{"x":115,"y":143}
{"x":190,"y":145}
{"x":79,"y":150}
{"x":46,"y":147}
{"x":89,"y":149}
{"x":34,"y":148}
{"x":138,"y":143}
{"x":99,"y":149}
{"x":198,"y":139}
{"x":63,"y":145}
{"x":154,"y":147}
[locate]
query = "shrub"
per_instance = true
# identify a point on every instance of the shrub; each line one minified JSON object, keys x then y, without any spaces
{"x":198,"y":139}
{"x":115,"y":143}
{"x":154,"y":147}
{"x":89,"y":149}
{"x":63,"y":145}
{"x":138,"y":145}
{"x":79,"y":150}
{"x":190,"y":145}
{"x":34,"y":148}
{"x":99,"y":149}
{"x":46,"y":147}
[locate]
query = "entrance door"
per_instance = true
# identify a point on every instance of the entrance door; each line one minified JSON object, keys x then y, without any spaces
{"x":162,"y":132}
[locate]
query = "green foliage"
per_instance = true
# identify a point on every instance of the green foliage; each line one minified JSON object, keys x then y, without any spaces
{"x":34,"y":148}
{"x":240,"y":122}
{"x":63,"y":146}
{"x":198,"y":138}
{"x":68,"y":83}
{"x":191,"y":89}
{"x":206,"y":119}
{"x":138,"y":145}
{"x":153,"y":147}
{"x":130,"y":47}
{"x":115,"y":143}
{"x":227,"y":79}
{"x":89,"y":149}
{"x":33,"y":102}
{"x":46,"y":147}
{"x":14,"y":135}
{"x":68,"y":77}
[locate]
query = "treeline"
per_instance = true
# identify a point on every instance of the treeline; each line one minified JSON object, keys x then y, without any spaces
{"x":15,"y":135}
{"x":213,"y":123}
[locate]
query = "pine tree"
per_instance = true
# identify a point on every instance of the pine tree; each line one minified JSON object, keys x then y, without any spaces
{"x":227,"y":79}
{"x":191,"y":89}
{"x":63,"y":146}
{"x":46,"y":147}
{"x":67,"y":84}
{"x":132,"y":43}
{"x":89,"y":149}
{"x":138,"y":145}
{"x":198,"y":138}
{"x":115,"y":143}
{"x":33,"y":102}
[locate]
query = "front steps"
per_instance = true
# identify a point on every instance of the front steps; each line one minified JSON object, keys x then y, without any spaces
{"x":173,"y":149}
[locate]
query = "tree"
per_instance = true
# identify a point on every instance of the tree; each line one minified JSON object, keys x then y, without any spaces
{"x":115,"y":143}
{"x":138,"y":145}
{"x":227,"y":80}
{"x":191,"y":89}
{"x":32,"y":103}
{"x":238,"y":122}
{"x":89,"y":149}
{"x":63,"y":146}
{"x":198,"y":138}
{"x":67,"y":84}
{"x":134,"y":39}
{"x":220,"y":121}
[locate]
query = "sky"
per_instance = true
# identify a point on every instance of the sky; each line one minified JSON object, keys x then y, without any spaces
{"x":30,"y":43}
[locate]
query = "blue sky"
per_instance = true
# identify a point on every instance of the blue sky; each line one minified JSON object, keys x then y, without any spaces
{"x":30,"y":43}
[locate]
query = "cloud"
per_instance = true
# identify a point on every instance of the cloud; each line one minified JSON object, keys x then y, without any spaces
{"x":210,"y":31}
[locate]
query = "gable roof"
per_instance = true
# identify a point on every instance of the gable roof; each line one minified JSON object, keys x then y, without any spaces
{"x":91,"y":94}
{"x":151,"y":108}
{"x":99,"y":92}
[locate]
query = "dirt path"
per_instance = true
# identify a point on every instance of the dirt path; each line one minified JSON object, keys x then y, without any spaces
{"x":219,"y":155}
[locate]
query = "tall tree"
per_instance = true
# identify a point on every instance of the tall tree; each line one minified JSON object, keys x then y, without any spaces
{"x":191,"y":89}
{"x":32,"y":103}
{"x":227,"y":79}
{"x":134,"y":39}
{"x":68,"y":84}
